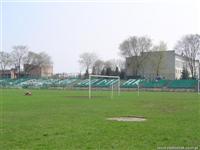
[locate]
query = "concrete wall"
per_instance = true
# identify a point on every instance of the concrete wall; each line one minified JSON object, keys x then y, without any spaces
{"x":47,"y":71}
{"x":166,"y":69}
{"x":37,"y":71}
{"x":160,"y":64}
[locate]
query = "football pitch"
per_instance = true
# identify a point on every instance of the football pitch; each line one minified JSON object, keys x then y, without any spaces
{"x":67,"y":119}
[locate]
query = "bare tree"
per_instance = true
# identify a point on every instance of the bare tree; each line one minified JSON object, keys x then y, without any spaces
{"x":44,"y":59}
{"x":157,"y":58}
{"x":18,"y":55}
{"x":117,"y":63}
{"x":109,"y":64}
{"x":136,"y":48}
{"x":87,"y":60}
{"x":30,"y":61}
{"x":121,"y":64}
{"x":5,"y":60}
{"x":36,"y":59}
{"x":98,"y":65}
{"x":189,"y":46}
{"x":31,"y":58}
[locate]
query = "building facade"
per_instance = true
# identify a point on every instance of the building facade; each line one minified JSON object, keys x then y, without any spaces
{"x":38,"y":71}
{"x":32,"y":71}
{"x":12,"y":73}
{"x":165,"y":64}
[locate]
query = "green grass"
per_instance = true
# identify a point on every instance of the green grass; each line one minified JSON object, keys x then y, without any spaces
{"x":50,"y":120}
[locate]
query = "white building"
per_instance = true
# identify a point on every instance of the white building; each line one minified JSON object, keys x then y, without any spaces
{"x":166,"y":64}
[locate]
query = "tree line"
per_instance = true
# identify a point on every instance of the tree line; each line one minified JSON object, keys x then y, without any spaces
{"x":94,"y":65}
{"x":21,"y":55}
{"x":138,"y":48}
{"x":188,"y":46}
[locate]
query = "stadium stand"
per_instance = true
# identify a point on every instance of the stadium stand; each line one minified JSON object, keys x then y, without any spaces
{"x":131,"y":83}
{"x":128,"y":83}
{"x":66,"y":82}
{"x":182,"y":84}
{"x":155,"y":84}
{"x":97,"y":83}
{"x":105,"y":83}
{"x":85,"y":83}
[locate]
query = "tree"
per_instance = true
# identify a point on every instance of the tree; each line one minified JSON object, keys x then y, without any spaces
{"x":98,"y":65}
{"x":113,"y":63}
{"x":30,"y":61}
{"x":18,"y":55}
{"x":108,"y":64}
{"x":157,"y":59}
{"x":109,"y":71}
{"x":86,"y":75}
{"x":121,"y":64}
{"x":135,"y":47}
{"x":5,"y":60}
{"x":184,"y":74}
{"x":103,"y":72}
{"x":44,"y":59}
{"x":87,"y":60}
{"x":31,"y":58}
{"x":93,"y":70}
{"x":189,"y":46}
{"x":122,"y":74}
{"x":116,"y":73}
{"x":36,"y":59}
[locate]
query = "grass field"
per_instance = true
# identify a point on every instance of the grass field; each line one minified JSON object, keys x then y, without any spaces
{"x":51,"y":119}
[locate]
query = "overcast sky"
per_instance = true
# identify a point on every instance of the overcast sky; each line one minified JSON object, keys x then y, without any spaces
{"x":66,"y":29}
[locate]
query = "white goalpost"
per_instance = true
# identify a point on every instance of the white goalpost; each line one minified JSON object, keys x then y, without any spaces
{"x":138,"y":89}
{"x":198,"y":86}
{"x":105,"y":77}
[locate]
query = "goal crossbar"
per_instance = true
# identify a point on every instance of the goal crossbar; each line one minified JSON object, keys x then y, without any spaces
{"x":103,"y":76}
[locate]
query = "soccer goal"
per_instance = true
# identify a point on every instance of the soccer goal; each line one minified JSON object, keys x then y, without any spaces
{"x":101,"y":81}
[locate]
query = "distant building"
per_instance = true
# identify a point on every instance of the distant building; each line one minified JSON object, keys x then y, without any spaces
{"x":170,"y":65}
{"x":32,"y":71}
{"x":12,"y":73}
{"x":66,"y":75}
{"x":38,"y":71}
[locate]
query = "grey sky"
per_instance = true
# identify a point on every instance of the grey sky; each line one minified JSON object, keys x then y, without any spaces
{"x":65,"y":30}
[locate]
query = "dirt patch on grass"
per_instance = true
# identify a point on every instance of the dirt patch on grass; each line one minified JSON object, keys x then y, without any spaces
{"x":128,"y":119}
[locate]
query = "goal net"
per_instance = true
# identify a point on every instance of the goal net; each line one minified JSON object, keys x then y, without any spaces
{"x":110,"y":83}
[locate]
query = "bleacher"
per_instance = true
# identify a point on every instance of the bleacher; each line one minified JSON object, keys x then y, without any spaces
{"x":85,"y":83}
{"x":97,"y":83}
{"x":126,"y":84}
{"x":66,"y":82}
{"x":131,"y":83}
{"x":187,"y":84}
{"x":12,"y":82}
{"x":105,"y":83}
{"x":155,"y":84}
{"x":35,"y":83}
